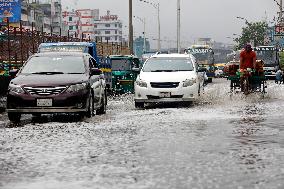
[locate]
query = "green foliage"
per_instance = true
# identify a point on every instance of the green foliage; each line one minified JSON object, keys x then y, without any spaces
{"x":281,"y":56}
{"x":253,"y":32}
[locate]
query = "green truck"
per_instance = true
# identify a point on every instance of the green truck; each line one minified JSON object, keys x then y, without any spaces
{"x":124,"y":71}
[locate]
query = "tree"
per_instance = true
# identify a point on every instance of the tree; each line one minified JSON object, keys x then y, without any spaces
{"x":253,"y":33}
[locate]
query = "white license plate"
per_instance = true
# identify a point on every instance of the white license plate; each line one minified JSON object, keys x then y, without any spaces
{"x":165,"y":95}
{"x":44,"y":102}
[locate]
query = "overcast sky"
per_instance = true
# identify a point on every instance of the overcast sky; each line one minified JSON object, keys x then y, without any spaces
{"x":199,"y":18}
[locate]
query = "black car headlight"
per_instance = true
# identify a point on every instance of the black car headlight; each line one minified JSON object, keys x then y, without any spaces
{"x":76,"y":87}
{"x":16,"y":89}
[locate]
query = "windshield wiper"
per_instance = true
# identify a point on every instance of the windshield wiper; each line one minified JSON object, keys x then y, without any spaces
{"x":74,"y":73}
{"x":47,"y":73}
{"x":162,"y":70}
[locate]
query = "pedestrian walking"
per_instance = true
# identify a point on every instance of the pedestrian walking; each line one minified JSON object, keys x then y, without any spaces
{"x":279,"y":76}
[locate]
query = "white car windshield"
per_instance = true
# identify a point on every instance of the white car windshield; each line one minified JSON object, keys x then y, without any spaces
{"x":168,"y":64}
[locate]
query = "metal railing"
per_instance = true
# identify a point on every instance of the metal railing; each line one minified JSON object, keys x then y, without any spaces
{"x":18,"y":43}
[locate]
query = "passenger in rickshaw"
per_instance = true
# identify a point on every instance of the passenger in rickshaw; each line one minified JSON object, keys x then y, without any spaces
{"x":247,"y":63}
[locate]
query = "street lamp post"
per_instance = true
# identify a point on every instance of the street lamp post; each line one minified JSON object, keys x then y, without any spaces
{"x":130,"y":28}
{"x":242,"y":18}
{"x":178,"y":26}
{"x":249,"y":24}
{"x":144,"y":32}
{"x":156,"y":6}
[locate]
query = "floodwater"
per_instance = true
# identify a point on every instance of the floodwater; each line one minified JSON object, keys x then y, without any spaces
{"x":222,"y":141}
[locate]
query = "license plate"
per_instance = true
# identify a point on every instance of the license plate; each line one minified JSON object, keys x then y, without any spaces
{"x":165,"y":95}
{"x":44,"y":102}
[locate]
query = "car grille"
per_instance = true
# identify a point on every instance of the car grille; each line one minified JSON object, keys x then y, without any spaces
{"x":157,"y":97}
{"x":164,"y":84}
{"x":45,"y":90}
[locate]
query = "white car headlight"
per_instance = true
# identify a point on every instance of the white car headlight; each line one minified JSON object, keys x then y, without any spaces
{"x":16,"y":89}
{"x":189,"y":82}
{"x":76,"y":88}
{"x":141,"y":83}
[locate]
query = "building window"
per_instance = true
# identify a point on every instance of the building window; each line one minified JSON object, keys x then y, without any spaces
{"x":116,"y":38}
{"x":107,"y":25}
{"x":107,"y":32}
{"x":107,"y":38}
{"x":70,"y":19}
{"x":115,"y":25}
{"x":70,"y":27}
{"x":95,"y":26}
{"x":115,"y":31}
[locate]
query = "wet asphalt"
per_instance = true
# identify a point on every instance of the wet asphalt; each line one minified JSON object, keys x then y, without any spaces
{"x":222,"y":141}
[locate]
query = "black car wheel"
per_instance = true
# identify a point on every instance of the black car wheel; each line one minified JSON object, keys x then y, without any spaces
{"x":139,"y":104}
{"x":102,"y":109}
{"x":14,"y":117}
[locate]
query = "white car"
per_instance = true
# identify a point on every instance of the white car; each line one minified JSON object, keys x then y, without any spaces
{"x":168,"y":78}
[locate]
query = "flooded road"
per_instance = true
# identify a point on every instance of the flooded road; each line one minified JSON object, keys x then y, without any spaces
{"x":221,"y":141}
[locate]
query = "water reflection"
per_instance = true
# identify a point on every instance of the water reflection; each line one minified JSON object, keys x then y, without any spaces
{"x":60,"y":118}
{"x":247,"y":146}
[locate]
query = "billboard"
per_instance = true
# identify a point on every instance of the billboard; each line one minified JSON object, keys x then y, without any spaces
{"x":10,"y":9}
{"x":279,"y":30}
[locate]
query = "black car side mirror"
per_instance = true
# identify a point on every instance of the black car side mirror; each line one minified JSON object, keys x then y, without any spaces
{"x":137,"y":70}
{"x":13,"y":73}
{"x":96,"y":71}
{"x":201,"y":69}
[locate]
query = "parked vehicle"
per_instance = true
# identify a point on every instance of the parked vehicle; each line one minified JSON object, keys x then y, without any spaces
{"x":168,"y":78}
{"x":204,"y":55}
{"x":124,"y":69}
{"x":48,"y":83}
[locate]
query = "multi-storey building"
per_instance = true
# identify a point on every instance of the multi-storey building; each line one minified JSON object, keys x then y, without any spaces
{"x":72,"y":21}
{"x":41,"y":15}
{"x":108,"y":28}
{"x":86,"y":22}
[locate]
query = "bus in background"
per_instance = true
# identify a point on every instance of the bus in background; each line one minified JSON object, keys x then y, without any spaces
{"x":204,"y":55}
{"x":270,"y":57}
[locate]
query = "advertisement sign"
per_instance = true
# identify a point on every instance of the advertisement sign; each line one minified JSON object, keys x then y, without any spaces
{"x":279,"y":30}
{"x":10,"y":9}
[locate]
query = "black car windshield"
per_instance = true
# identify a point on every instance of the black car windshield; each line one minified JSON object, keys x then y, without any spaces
{"x":55,"y":64}
{"x":168,"y":64}
{"x":120,"y":64}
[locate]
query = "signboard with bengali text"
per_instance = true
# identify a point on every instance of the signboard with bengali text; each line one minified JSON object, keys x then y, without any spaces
{"x":279,"y":30}
{"x":10,"y":9}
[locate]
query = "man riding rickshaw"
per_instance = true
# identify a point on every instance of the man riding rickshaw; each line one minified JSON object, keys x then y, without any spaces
{"x":248,"y":75}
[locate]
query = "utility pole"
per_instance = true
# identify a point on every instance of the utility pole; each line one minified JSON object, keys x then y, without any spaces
{"x":159,"y":28}
{"x":130,"y":27}
{"x":178,"y":26}
{"x":144,"y":35}
{"x":281,"y":12}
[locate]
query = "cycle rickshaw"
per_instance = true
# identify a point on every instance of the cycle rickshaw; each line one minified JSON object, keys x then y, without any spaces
{"x":246,"y":81}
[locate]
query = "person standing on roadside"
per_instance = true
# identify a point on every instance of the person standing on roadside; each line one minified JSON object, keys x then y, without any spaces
{"x":279,"y":76}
